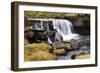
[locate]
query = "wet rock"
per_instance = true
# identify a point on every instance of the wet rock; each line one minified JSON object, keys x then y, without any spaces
{"x":84,"y":42}
{"x":68,"y":47}
{"x":74,"y":44}
{"x":84,"y":47}
{"x":57,"y":45}
{"x":43,"y":55}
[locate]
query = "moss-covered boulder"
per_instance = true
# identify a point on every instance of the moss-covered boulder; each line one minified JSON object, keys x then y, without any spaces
{"x":83,"y":56}
{"x":40,"y":56}
{"x":36,"y":47}
{"x":59,"y":51}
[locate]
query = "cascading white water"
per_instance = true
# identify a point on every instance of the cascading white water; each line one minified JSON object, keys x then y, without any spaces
{"x":65,"y":29}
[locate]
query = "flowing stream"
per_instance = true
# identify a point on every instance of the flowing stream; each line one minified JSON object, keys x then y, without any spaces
{"x":83,"y":49}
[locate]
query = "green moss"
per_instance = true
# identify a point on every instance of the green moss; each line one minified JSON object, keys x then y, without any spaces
{"x":83,"y":56}
{"x":27,"y":57}
{"x":36,"y":47}
{"x":59,"y":51}
{"x":40,"y":56}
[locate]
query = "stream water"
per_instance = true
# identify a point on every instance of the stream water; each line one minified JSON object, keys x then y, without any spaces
{"x":83,"y":49}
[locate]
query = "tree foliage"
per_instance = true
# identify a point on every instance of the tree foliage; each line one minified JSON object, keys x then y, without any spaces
{"x":37,"y":14}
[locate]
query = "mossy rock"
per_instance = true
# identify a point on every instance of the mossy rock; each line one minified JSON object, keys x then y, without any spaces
{"x":68,"y":47}
{"x":35,"y":47}
{"x":83,"y":56}
{"x":27,"y":57}
{"x":72,"y":45}
{"x":40,"y":56}
{"x":28,"y":28}
{"x":59,"y":51}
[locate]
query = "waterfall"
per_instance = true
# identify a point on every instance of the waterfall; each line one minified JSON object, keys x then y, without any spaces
{"x":65,"y":29}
